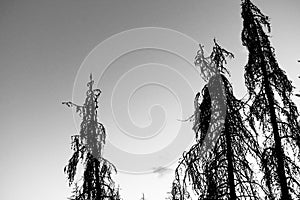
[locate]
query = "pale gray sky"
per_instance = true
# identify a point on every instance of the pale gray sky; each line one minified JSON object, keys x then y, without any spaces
{"x":42,"y":45}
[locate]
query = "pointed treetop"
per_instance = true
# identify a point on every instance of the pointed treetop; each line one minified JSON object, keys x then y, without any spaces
{"x":259,"y":17}
{"x":91,"y":82}
{"x":213,"y":64}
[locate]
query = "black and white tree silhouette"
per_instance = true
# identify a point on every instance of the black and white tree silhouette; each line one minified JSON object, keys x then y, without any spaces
{"x":271,"y":108}
{"x":96,"y":181}
{"x":217,"y":165}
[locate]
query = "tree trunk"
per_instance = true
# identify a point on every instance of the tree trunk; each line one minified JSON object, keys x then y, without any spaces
{"x":278,"y":147}
{"x":229,"y":156}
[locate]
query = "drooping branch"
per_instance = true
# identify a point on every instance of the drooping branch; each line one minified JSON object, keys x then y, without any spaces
{"x":216,"y":166}
{"x":87,"y":147}
{"x":271,"y":106}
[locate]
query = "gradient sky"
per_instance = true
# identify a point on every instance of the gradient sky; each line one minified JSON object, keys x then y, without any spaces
{"x":42,"y":45}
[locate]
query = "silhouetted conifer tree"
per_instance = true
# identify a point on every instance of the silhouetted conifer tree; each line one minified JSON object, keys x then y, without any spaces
{"x":271,"y":106}
{"x":217,"y":166}
{"x":96,"y":182}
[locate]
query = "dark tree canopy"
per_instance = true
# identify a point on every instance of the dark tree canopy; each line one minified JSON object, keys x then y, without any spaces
{"x":217,"y":166}
{"x":96,"y":181}
{"x":271,"y":107}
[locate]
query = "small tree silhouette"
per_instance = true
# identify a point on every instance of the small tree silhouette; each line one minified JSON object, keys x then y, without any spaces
{"x":143,"y":197}
{"x":271,"y":106}
{"x":220,"y":169}
{"x":87,"y":147}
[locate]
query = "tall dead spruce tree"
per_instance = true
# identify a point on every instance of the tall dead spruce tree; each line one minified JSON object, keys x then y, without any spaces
{"x":216,"y":167}
{"x":96,"y":182}
{"x":271,"y":107}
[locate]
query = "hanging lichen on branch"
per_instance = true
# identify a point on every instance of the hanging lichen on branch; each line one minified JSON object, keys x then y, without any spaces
{"x":216,"y":166}
{"x":87,"y":147}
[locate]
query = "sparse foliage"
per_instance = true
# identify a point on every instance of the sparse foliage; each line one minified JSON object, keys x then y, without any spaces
{"x":96,"y":181}
{"x":271,"y":107}
{"x":217,"y":166}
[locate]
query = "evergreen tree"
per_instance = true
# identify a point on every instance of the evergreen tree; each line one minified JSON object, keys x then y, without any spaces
{"x":271,"y":106}
{"x":217,"y":166}
{"x":87,"y":147}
